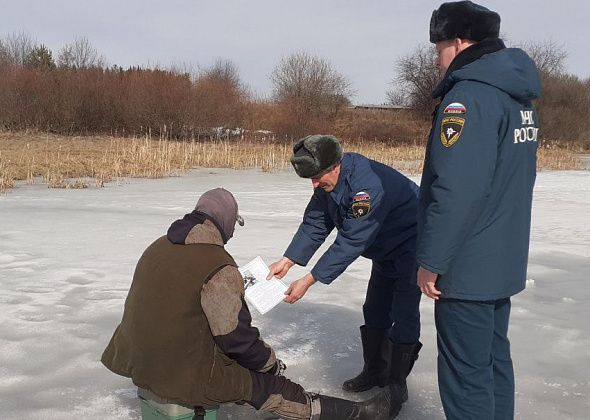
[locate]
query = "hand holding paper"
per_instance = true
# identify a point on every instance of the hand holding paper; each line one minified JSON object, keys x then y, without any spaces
{"x":298,"y":288}
{"x":260,"y":293}
{"x":280,"y":268}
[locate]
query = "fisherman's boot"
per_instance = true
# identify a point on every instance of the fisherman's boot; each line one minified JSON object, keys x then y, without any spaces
{"x":402,"y":360}
{"x":376,"y":356}
{"x":330,"y":408}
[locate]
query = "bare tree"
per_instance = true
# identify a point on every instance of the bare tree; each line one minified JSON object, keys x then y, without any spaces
{"x":3,"y":53}
{"x":226,"y":71}
{"x":18,"y":47}
{"x":310,"y":87}
{"x":80,"y":54}
{"x":416,"y":76}
{"x":221,"y":95}
{"x":547,"y":55}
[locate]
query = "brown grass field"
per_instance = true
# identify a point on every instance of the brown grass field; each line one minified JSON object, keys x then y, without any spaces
{"x":73,"y":162}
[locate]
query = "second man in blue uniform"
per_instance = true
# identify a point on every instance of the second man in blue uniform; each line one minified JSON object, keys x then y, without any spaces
{"x":474,"y":216}
{"x":373,"y":207}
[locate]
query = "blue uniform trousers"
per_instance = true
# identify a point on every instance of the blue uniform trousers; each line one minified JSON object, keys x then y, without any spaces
{"x":475,"y":375}
{"x":393,"y":298}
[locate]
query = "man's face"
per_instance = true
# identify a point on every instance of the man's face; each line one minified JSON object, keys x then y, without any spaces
{"x":446,"y":53}
{"x":327,"y":180}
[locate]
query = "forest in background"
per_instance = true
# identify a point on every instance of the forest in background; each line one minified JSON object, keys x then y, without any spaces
{"x":77,"y":92}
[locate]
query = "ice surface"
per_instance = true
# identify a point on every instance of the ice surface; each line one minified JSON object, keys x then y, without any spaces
{"x":67,"y":257}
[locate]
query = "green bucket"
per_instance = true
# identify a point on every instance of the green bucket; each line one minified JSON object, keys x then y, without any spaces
{"x":154,"y":408}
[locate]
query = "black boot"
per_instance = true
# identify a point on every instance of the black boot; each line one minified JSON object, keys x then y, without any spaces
{"x":375,"y":355}
{"x":402,"y":360}
{"x":377,"y":408}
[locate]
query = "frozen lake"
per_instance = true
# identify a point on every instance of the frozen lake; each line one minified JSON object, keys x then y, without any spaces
{"x":67,"y":258}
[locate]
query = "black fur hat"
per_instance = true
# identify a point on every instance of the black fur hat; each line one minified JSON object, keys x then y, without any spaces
{"x":315,"y":154}
{"x":465,"y":20}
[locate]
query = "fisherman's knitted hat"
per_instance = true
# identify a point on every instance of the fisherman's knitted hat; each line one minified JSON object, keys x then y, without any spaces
{"x":222,"y":207}
{"x":315,"y":154}
{"x":465,"y":20}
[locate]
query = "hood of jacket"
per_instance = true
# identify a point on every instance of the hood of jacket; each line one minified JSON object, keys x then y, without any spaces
{"x":195,"y":228}
{"x":508,"y":69}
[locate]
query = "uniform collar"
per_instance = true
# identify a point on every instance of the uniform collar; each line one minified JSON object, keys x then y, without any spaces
{"x":345,"y":169}
{"x":465,"y":57}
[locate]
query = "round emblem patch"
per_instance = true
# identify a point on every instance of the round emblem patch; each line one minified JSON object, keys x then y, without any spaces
{"x":455,"y":108}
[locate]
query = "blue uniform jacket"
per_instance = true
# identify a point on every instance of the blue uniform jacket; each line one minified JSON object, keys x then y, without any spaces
{"x":477,"y":185}
{"x":388,"y":226}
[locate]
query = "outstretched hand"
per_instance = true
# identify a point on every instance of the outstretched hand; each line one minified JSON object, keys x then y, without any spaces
{"x":298,"y":288}
{"x":278,"y":368}
{"x":280,"y":268}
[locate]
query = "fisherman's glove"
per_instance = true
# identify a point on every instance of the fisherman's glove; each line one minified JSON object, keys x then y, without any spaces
{"x":278,"y":368}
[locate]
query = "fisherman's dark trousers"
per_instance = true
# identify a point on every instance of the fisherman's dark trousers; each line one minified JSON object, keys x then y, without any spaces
{"x":475,"y":374}
{"x":393,"y":298}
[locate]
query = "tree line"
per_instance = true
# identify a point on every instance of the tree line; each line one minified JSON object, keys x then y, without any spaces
{"x":77,"y":91}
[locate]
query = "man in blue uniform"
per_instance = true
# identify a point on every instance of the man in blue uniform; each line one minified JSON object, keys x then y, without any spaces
{"x":475,"y":206}
{"x":373,"y":207}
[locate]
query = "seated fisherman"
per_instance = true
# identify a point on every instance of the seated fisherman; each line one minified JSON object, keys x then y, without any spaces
{"x":186,"y":332}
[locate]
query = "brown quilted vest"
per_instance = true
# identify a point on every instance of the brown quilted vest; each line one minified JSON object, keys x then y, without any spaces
{"x":163,"y":342}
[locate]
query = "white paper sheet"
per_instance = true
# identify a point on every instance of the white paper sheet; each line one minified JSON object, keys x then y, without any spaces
{"x":262,"y":294}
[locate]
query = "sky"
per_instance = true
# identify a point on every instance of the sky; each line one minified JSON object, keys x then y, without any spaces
{"x":67,"y":258}
{"x":361,"y":39}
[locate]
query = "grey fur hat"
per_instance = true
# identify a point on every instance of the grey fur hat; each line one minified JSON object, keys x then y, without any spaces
{"x":465,"y":20}
{"x":315,"y":154}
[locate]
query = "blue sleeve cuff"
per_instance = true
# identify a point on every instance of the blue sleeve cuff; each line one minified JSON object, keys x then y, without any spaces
{"x":296,"y":260}
{"x":319,"y":278}
{"x":429,"y":267}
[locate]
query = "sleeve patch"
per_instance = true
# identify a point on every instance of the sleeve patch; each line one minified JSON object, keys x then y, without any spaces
{"x":455,"y":108}
{"x":361,"y":204}
{"x":361,"y":196}
{"x":450,"y":130}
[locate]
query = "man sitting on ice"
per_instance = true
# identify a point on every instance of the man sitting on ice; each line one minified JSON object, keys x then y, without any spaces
{"x":186,"y":332}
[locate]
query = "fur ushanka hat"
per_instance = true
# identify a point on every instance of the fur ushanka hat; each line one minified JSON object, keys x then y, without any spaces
{"x":465,"y":20}
{"x":315,"y":154}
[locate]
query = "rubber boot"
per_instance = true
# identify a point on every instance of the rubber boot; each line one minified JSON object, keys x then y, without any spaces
{"x":375,"y":355}
{"x":377,"y":408}
{"x":402,"y":360}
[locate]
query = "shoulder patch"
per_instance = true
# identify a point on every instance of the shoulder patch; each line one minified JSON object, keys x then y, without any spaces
{"x":455,"y":108}
{"x":361,"y":204}
{"x":360,"y":196}
{"x":450,"y":130}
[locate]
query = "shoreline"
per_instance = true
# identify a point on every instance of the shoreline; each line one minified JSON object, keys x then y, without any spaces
{"x":78,"y":162}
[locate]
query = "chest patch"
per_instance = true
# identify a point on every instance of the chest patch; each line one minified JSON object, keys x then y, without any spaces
{"x":361,"y":204}
{"x":450,"y":130}
{"x":455,"y":108}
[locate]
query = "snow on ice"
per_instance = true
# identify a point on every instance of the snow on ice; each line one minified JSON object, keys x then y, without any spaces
{"x":67,"y":257}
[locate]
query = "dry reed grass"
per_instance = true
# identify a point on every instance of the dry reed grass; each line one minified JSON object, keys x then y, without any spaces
{"x":553,"y":156}
{"x":7,"y":175}
{"x":74,"y":162}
